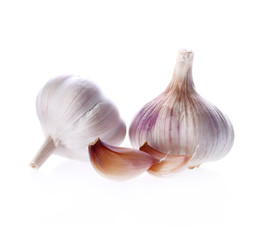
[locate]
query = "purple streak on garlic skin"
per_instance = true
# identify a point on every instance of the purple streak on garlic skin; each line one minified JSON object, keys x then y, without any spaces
{"x":186,"y":124}
{"x":146,"y":119}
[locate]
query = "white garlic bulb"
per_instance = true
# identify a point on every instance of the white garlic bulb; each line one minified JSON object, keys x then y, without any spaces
{"x":181,"y":122}
{"x":73,"y":113}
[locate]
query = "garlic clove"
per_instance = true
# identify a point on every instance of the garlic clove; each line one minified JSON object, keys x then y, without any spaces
{"x":168,"y":163}
{"x":73,"y":112}
{"x":117,"y":162}
{"x":180,"y":122}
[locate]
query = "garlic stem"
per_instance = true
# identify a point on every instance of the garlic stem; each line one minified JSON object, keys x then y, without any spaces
{"x":182,"y":80}
{"x":45,"y":151}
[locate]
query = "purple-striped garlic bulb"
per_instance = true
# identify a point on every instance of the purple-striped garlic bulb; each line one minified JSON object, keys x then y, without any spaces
{"x":179,"y":122}
{"x":73,"y":113}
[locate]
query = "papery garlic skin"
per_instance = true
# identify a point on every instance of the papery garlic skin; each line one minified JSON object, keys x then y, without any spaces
{"x":73,"y":113}
{"x":181,"y":122}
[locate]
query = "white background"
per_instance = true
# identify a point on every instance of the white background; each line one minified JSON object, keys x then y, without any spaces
{"x":129,"y":49}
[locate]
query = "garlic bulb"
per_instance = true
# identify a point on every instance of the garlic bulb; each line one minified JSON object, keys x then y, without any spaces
{"x":119,"y":163}
{"x":181,"y":122}
{"x":73,"y":113}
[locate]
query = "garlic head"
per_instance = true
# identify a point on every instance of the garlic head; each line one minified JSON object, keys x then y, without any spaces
{"x":73,"y":113}
{"x":180,"y":122}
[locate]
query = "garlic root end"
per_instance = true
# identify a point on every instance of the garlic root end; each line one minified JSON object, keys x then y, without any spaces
{"x":193,"y":167}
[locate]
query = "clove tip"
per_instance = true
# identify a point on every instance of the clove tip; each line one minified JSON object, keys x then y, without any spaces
{"x":97,"y":139}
